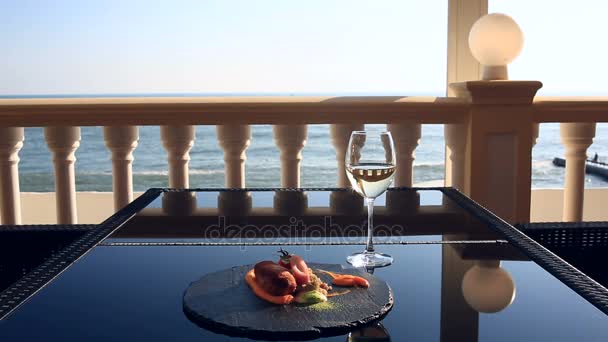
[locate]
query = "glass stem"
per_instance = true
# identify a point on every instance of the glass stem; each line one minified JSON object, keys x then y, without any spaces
{"x":370,"y":225}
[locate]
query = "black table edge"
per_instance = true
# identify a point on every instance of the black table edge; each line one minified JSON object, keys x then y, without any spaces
{"x":47,"y":228}
{"x":23,"y":289}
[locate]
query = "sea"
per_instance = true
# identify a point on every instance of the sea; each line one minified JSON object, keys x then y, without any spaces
{"x":318,"y":169}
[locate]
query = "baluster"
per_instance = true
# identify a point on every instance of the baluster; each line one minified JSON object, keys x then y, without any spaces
{"x":121,"y":141}
{"x":11,"y":142}
{"x":406,"y":137}
{"x":290,"y":139}
{"x":535,"y":130}
{"x":455,"y":142}
{"x":340,"y":134}
{"x":576,"y":137}
{"x":178,"y":140}
{"x":234,"y":140}
{"x":63,"y":142}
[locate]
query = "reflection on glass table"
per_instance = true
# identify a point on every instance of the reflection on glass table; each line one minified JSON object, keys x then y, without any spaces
{"x":313,"y":216}
{"x":455,"y":277}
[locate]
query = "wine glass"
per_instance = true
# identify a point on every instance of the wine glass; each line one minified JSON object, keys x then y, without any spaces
{"x":370,"y":167}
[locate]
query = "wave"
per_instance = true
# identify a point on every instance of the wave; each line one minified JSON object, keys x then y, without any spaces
{"x":429,"y":164}
{"x":166,"y":173}
{"x":135,"y":173}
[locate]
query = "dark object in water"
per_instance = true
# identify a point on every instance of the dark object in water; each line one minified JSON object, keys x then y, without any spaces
{"x":592,"y":166}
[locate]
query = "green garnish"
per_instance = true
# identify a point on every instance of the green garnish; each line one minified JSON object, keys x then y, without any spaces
{"x":310,"y":297}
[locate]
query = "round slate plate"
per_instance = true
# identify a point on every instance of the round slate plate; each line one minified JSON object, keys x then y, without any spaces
{"x":223,"y":303}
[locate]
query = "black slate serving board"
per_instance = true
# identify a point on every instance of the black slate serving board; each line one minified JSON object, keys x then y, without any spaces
{"x":223,"y":303}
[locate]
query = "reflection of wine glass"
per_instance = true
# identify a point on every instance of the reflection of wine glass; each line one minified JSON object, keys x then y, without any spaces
{"x":375,"y":332}
{"x":370,"y":167}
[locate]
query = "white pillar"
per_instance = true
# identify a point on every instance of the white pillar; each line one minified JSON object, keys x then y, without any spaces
{"x":121,"y":141}
{"x":290,"y":139}
{"x":340,"y":134}
{"x":178,"y":140}
{"x":576,"y":137}
{"x":11,"y":142}
{"x":455,"y":142}
{"x":461,"y":66}
{"x":406,"y":137}
{"x":63,"y":142}
{"x":234,"y":140}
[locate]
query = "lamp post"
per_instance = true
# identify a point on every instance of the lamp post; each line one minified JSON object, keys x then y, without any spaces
{"x":495,"y":141}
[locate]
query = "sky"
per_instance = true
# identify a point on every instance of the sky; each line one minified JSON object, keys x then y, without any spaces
{"x":279,"y":46}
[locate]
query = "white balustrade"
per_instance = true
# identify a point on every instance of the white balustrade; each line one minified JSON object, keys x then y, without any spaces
{"x":406,"y":137}
{"x":234,"y":140}
{"x":63,"y":143}
{"x":490,"y":130}
{"x":290,"y":139}
{"x":340,"y":134}
{"x":121,"y":141}
{"x":11,"y":142}
{"x":576,"y":137}
{"x":178,"y":140}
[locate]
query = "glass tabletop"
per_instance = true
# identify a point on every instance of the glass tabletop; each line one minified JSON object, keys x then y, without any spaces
{"x":454,"y":278}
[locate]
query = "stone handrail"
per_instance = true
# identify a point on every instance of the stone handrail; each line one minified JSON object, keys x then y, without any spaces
{"x":232,"y":110}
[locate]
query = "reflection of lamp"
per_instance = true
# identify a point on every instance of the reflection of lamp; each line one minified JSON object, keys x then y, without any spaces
{"x":488,"y":288}
{"x":495,"y":41}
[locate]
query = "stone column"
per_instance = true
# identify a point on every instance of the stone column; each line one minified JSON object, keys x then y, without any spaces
{"x":234,"y":140}
{"x":11,"y":142}
{"x":576,"y":137}
{"x":340,"y":134}
{"x":455,"y":143}
{"x":178,"y":140}
{"x":290,"y":139}
{"x":121,"y":141}
{"x":63,"y":143}
{"x":406,"y":137}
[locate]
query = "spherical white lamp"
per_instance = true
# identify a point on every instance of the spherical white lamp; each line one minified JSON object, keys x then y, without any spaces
{"x":488,"y":288}
{"x":495,"y":41}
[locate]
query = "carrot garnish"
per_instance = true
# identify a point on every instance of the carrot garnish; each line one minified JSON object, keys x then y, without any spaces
{"x":346,"y":279}
{"x":281,"y":300}
{"x":360,"y":281}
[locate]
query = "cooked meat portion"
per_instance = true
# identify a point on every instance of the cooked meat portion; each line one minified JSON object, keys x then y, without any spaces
{"x":274,"y":278}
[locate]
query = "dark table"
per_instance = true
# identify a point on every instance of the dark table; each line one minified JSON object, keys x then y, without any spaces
{"x":125,"y":279}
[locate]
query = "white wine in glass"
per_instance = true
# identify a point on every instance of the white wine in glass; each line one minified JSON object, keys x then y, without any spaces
{"x":370,"y":167}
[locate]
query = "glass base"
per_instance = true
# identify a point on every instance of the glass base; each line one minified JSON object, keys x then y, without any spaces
{"x":369,"y":259}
